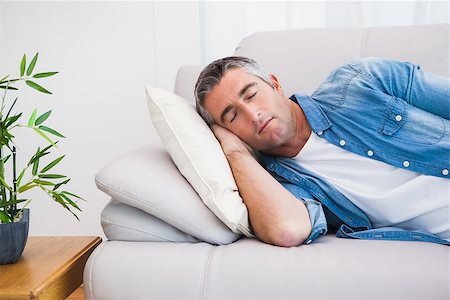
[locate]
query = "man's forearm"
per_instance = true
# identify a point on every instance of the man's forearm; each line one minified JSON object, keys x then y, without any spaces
{"x":277,"y":216}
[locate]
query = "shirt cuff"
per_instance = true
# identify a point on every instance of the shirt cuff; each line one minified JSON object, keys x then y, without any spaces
{"x":317,"y":218}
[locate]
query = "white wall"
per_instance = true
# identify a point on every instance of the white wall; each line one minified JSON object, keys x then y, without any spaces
{"x":224,"y":23}
{"x":106,"y":53}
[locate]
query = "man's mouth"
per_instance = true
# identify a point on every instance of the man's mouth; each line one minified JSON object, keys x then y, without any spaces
{"x":264,"y":125}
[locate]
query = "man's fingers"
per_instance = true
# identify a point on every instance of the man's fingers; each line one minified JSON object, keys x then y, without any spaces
{"x":230,"y":142}
{"x":219,"y":131}
{"x":216,"y":128}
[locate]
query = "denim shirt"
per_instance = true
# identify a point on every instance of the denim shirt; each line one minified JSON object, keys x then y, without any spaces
{"x":386,"y":110}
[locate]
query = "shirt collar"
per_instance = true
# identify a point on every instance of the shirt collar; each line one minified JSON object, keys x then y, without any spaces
{"x":316,"y":117}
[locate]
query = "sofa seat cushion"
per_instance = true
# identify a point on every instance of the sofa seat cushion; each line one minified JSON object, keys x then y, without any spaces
{"x":330,"y":268}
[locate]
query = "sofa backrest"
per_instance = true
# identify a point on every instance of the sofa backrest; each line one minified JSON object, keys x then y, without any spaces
{"x":302,"y":58}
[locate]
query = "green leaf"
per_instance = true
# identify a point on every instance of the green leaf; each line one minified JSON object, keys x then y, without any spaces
{"x":70,"y":201}
{"x":34,"y":157}
{"x":51,"y":176}
{"x":2,"y":180}
{"x":73,"y":195}
{"x":35,"y":167}
{"x":32,"y":118}
{"x":50,"y":130}
{"x":4,"y":79}
{"x":59,"y":199}
{"x":5,"y":87}
{"x":12,"y":202}
{"x":40,"y":153}
{"x":37,"y":156}
{"x":32,"y":64}
{"x":5,"y":159}
{"x":10,"y":109}
{"x":19,"y":179}
{"x":27,"y":187}
{"x":42,"y":118}
{"x":23,"y":64}
{"x":61,"y":183}
{"x":6,"y":138}
{"x":12,"y":119}
{"x":43,"y":182}
{"x":52,"y":164}
{"x":4,"y":217}
{"x":45,"y":137}
{"x":36,"y":86}
{"x":42,"y":75}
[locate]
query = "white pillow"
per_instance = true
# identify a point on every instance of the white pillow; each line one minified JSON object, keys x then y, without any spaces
{"x":198,"y":156}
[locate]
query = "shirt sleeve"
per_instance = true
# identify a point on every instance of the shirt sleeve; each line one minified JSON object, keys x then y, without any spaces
{"x":409,"y":82}
{"x":315,"y":211}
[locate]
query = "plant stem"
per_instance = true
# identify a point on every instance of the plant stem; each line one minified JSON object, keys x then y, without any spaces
{"x":2,"y":167}
{"x":2,"y":174}
{"x":14,"y":178}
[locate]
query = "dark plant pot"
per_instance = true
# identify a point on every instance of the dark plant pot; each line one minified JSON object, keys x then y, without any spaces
{"x":13,"y":237}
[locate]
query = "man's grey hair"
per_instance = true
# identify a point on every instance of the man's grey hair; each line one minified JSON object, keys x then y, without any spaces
{"x":214,"y":72}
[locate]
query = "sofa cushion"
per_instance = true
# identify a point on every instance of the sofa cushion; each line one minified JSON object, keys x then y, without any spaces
{"x":199,"y":157}
{"x":148,"y":180}
{"x":122,"y":222}
{"x":328,"y":269}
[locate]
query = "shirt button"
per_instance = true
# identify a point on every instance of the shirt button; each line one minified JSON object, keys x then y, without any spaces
{"x":370,"y":153}
{"x":406,"y":163}
{"x":398,"y":118}
{"x":445,"y":172}
{"x":320,"y":132}
{"x":342,"y":142}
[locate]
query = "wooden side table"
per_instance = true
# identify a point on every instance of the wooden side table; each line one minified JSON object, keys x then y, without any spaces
{"x":50,"y":268}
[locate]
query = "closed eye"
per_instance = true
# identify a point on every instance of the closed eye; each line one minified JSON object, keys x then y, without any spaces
{"x":234,"y":116}
{"x":252,"y":96}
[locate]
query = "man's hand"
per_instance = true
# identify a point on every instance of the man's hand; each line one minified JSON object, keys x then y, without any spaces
{"x":277,"y":217}
{"x":231,"y":143}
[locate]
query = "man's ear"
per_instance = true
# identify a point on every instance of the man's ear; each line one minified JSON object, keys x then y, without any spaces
{"x":276,"y":84}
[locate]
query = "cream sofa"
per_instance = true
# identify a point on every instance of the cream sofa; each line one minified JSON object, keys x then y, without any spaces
{"x":165,"y":244}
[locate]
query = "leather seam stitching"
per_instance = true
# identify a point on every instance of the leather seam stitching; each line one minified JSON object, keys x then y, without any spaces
{"x":205,"y":273}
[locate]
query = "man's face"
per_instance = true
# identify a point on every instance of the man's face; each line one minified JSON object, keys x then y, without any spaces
{"x":250,"y":108}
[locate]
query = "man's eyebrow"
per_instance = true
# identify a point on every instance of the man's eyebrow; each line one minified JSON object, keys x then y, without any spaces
{"x":241,"y":94}
{"x":224,"y":113}
{"x":245,"y":88}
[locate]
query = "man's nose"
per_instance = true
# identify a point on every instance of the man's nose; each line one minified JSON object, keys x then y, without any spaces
{"x":254,"y":113}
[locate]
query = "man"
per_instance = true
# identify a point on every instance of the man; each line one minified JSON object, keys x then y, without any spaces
{"x":367,"y":153}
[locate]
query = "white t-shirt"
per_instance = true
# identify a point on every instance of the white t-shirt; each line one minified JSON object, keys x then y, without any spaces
{"x":389,"y":196}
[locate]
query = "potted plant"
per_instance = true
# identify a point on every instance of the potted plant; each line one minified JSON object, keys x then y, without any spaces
{"x":37,"y":173}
